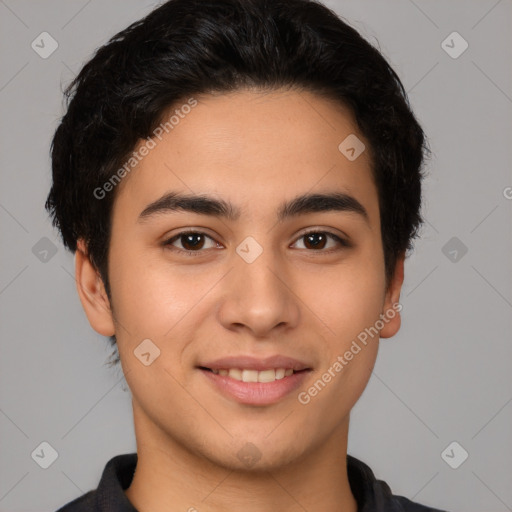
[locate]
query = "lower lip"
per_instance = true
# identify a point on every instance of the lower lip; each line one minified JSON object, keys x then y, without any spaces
{"x":256,"y":393}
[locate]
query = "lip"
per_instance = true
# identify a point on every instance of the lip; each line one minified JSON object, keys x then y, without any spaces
{"x":254,"y":363}
{"x":255,"y":393}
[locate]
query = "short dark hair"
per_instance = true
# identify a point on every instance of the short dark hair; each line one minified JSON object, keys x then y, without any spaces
{"x":189,"y":47}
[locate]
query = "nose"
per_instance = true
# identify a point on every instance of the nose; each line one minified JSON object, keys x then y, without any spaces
{"x":259,"y":296}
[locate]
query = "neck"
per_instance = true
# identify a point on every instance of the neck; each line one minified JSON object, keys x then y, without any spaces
{"x":169,"y":477}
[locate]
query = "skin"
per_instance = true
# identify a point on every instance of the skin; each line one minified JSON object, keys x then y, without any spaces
{"x":255,"y":150}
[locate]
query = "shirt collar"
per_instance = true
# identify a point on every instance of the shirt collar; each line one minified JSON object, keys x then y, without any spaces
{"x":371,"y":495}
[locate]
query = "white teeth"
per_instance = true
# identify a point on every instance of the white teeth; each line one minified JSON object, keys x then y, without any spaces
{"x":267,"y":376}
{"x":250,"y":375}
{"x":246,"y":375}
{"x":235,"y":373}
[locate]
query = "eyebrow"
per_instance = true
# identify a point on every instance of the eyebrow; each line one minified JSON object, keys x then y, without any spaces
{"x":208,"y":205}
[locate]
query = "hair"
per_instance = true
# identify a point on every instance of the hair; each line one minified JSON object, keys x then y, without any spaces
{"x":192,"y":47}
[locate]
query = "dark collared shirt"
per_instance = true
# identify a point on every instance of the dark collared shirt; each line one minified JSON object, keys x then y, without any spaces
{"x":372,"y":495}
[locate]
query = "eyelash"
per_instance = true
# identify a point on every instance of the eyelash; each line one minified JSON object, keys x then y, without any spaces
{"x":168,"y":243}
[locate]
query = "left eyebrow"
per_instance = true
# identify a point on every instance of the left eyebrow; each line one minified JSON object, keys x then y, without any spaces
{"x":208,"y":205}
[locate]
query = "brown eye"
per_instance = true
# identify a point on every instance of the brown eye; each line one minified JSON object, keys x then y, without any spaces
{"x":191,"y":241}
{"x":318,"y":240}
{"x":315,"y":240}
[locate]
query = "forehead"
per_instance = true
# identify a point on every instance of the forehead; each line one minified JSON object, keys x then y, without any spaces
{"x":253,"y":148}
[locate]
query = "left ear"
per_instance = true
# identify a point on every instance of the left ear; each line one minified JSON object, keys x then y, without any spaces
{"x":391,"y":314}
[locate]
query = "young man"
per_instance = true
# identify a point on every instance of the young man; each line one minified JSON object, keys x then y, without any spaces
{"x":240,"y":181}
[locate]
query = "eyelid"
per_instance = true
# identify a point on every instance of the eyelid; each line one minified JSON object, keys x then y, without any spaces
{"x":328,"y":231}
{"x":168,"y":241}
{"x":343,"y":241}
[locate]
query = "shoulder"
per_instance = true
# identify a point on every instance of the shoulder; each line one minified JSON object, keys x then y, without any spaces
{"x":374,"y":495}
{"x":85,"y":503}
{"x":109,"y":496}
{"x":401,"y":504}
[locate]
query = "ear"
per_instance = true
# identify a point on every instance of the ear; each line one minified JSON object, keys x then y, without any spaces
{"x":92,"y":293}
{"x":391,"y":314}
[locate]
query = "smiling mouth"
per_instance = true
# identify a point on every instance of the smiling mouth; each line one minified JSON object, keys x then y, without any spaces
{"x":248,"y":375}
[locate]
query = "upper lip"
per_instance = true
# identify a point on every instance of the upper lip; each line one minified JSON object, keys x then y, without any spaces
{"x":254,"y":363}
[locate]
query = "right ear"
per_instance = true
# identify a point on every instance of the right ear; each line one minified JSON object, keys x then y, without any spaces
{"x":92,"y":293}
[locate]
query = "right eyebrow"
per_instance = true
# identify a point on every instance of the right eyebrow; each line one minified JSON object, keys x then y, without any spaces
{"x":208,"y":205}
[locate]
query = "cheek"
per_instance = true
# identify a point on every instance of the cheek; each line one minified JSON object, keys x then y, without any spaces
{"x":346,"y":299}
{"x":349,"y":306}
{"x":157,"y":300}
{"x":146,"y":299}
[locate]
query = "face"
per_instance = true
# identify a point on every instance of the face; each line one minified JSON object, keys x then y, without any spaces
{"x":249,"y":278}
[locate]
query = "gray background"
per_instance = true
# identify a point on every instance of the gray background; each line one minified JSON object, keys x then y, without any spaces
{"x":445,"y":377}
